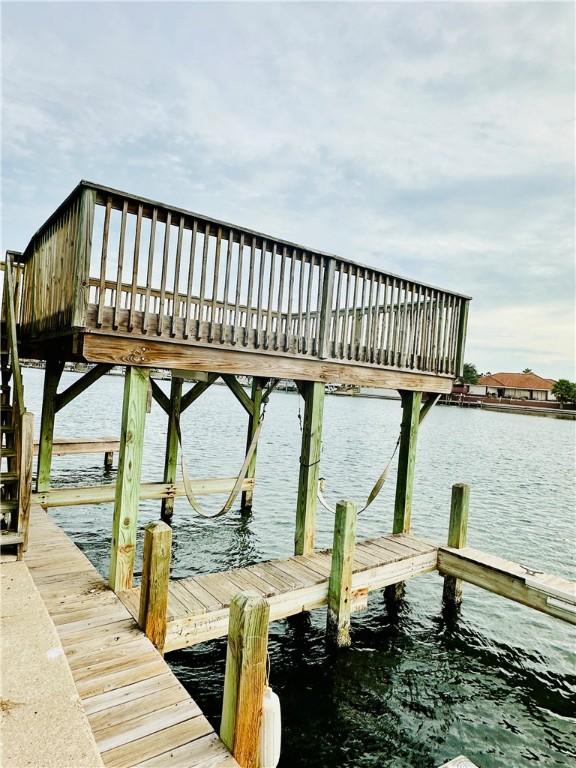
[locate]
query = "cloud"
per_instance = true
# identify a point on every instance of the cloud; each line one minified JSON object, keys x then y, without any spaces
{"x":430,"y":139}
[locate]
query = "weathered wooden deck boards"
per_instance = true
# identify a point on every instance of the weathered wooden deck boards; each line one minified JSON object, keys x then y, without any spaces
{"x":198,"y":606}
{"x":138,"y":711}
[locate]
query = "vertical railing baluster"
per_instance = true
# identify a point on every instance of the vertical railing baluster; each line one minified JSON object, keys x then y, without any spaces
{"x":176,"y":299}
{"x":189,"y":286}
{"x":202,"y":297}
{"x":249,"y":310}
{"x":224,"y":323}
{"x":135,"y":269}
{"x":236,"y":328}
{"x":280,"y":297}
{"x":214,"y":302}
{"x":103,"y":261}
{"x":259,"y":301}
{"x":268,"y":333}
{"x":149,"y":272}
{"x":120,"y":266}
{"x":288,"y":338}
{"x":165,"y":252}
{"x":300,"y":301}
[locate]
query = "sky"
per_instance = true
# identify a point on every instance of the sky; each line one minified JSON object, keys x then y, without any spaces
{"x":433,"y":140}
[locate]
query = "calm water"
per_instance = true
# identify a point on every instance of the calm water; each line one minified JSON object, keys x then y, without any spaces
{"x":498,"y":684}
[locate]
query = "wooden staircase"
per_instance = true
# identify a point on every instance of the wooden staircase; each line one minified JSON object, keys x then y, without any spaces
{"x":16,"y":429}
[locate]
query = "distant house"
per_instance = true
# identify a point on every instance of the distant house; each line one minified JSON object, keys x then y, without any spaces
{"x":519,"y":386}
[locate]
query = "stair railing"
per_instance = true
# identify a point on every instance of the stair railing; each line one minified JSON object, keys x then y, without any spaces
{"x":22,"y":420}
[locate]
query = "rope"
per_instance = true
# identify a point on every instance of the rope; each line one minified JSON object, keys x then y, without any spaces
{"x":193,"y":501}
{"x":376,"y":488}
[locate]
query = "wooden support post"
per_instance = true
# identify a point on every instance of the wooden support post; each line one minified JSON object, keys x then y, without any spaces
{"x":405,"y":478}
{"x":313,"y":394}
{"x":406,"y":460}
{"x":25,"y":458}
{"x":171,"y":457}
{"x":128,"y":478}
{"x":258,"y":385}
{"x":457,"y":532}
{"x":52,"y":376}
{"x":245,"y":677}
{"x":340,"y":584}
{"x":153,"y":613}
{"x":108,"y":460}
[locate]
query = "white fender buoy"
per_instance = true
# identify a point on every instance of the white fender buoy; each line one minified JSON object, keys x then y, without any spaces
{"x":271,"y":732}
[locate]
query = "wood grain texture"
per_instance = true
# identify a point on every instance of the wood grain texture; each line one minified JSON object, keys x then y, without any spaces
{"x":457,"y":533}
{"x":127,"y":493}
{"x":305,"y":534}
{"x":406,"y":461}
{"x":245,"y":677}
{"x":340,"y":584}
{"x":154,"y":586}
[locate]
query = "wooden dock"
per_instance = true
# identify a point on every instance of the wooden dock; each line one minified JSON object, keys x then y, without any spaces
{"x":198,"y":607}
{"x":138,"y":711}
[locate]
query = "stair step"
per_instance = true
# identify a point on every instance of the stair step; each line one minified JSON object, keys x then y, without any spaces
{"x":6,"y":429}
{"x":9,"y":538}
{"x":7,"y":453}
{"x":9,"y":506}
{"x":8,"y":477}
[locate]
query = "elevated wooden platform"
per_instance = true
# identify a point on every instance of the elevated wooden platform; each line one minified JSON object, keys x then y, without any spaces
{"x":114,"y":278}
{"x":198,"y":607}
{"x":139,"y":713}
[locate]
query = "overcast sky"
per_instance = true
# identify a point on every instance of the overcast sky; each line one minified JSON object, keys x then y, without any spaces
{"x":433,"y":140}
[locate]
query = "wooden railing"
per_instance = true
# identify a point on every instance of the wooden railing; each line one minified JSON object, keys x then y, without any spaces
{"x":22,"y":437}
{"x":112,"y":261}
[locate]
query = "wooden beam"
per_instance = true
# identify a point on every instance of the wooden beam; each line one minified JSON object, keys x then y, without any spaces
{"x":457,"y":532}
{"x":128,"y":480}
{"x":171,"y":455}
{"x":550,"y":594}
{"x":64,"y":446}
{"x":153,"y":611}
{"x":309,"y":467}
{"x":326,"y":312}
{"x":406,"y":460}
{"x":120,"y":349}
{"x":198,"y":389}
{"x":427,"y":407}
{"x":462,"y":328}
{"x":257,"y":396}
{"x":340,"y":584}
{"x":160,"y":397}
{"x":81,"y":384}
{"x":52,"y":376}
{"x":240,"y":394}
{"x":245,"y":677}
{"x":101,"y":494}
{"x":82,"y":258}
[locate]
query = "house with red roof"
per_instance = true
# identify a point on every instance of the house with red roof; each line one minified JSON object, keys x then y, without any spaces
{"x":517,"y":386}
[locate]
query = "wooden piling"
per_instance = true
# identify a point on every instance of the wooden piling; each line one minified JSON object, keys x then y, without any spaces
{"x":52,"y":376}
{"x":25,"y":456}
{"x":108,"y":460}
{"x":340,"y":584}
{"x":128,"y":478}
{"x":258,"y":385}
{"x":457,"y":533}
{"x":153,"y":611}
{"x":406,"y":460}
{"x":411,"y":402}
{"x":171,"y":456}
{"x":313,"y":394}
{"x":245,"y":677}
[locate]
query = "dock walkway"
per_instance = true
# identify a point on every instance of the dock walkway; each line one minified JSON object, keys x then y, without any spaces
{"x":139,"y":713}
{"x":198,"y":607}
